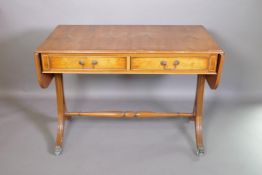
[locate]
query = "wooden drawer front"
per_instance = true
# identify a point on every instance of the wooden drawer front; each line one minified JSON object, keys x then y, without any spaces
{"x":53,"y":63}
{"x":204,"y":64}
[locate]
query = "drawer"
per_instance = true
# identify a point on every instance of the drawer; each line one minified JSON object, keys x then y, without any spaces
{"x":87,"y":63}
{"x":204,"y":64}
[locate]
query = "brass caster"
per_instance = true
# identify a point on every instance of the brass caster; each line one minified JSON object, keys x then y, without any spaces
{"x":200,"y":151}
{"x":58,"y":150}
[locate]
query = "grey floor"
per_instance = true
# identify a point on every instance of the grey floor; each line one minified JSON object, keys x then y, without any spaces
{"x":232,"y":133}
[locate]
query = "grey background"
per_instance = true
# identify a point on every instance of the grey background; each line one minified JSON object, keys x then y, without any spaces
{"x":147,"y":146}
{"x":236,"y":25}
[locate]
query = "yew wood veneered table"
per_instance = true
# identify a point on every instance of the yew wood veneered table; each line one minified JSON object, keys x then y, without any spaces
{"x":129,"y":49}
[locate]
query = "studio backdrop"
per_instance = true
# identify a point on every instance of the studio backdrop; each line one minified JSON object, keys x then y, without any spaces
{"x":236,"y":25}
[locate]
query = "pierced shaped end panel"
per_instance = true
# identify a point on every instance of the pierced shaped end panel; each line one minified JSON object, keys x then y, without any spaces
{"x":43,"y":79}
{"x":214,"y":80}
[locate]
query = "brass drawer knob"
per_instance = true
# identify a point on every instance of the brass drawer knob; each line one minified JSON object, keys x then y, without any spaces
{"x":163,"y":63}
{"x":81,"y":62}
{"x":176,"y":63}
{"x":94,"y":62}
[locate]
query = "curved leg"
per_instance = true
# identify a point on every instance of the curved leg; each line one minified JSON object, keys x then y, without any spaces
{"x":65,"y":108}
{"x":192,"y":119}
{"x":60,"y":111}
{"x":60,"y":135}
{"x":198,"y":108}
{"x":199,"y":135}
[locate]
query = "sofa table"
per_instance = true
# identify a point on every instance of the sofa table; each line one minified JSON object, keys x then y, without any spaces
{"x":129,"y":49}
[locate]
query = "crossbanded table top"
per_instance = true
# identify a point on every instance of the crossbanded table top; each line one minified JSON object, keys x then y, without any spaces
{"x":129,"y":39}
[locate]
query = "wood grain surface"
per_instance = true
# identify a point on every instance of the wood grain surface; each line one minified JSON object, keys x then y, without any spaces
{"x":129,"y":39}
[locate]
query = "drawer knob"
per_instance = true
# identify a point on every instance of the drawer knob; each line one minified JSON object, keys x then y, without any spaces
{"x":176,"y":63}
{"x":94,"y":62}
{"x":81,"y":62}
{"x":163,"y":63}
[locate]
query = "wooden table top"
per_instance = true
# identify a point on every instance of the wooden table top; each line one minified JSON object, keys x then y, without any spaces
{"x":129,"y":39}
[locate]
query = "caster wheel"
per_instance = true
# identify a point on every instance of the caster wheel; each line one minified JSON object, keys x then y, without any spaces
{"x":200,"y":152}
{"x":58,"y":150}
